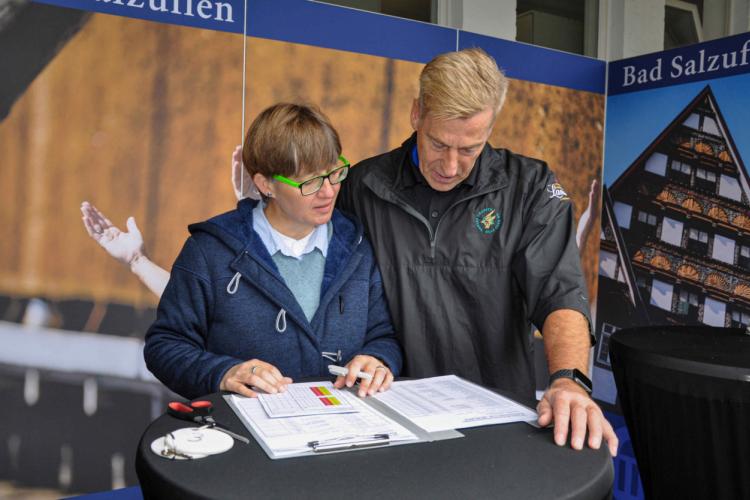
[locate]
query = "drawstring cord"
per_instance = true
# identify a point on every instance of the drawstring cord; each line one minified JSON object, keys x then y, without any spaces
{"x":281,"y":321}
{"x":232,"y":287}
{"x":333,"y":356}
{"x":234,"y":284}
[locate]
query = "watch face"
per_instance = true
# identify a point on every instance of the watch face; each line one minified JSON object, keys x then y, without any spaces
{"x":582,"y":380}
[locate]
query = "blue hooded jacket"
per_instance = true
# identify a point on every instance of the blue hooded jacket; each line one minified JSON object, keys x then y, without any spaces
{"x":226,"y":303}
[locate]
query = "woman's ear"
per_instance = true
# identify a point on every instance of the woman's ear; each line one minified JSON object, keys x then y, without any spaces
{"x":263,"y":184}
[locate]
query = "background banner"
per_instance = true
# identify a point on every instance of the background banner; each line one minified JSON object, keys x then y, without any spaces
{"x":136,"y":107}
{"x":675,"y":248}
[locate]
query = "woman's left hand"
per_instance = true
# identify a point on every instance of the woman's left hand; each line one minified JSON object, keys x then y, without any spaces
{"x":381,"y":375}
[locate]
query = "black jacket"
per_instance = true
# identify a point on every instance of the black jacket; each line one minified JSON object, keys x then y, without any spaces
{"x":463,"y":297}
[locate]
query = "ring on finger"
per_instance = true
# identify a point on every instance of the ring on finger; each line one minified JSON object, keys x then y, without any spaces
{"x":252,"y":370}
{"x":381,"y":367}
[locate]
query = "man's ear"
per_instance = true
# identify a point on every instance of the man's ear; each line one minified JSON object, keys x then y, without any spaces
{"x":415,"y":113}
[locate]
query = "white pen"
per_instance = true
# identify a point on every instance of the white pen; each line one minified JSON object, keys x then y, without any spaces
{"x":343,"y":371}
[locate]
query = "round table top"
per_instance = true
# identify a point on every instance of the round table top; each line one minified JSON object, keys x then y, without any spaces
{"x":703,"y":350}
{"x":498,"y":461}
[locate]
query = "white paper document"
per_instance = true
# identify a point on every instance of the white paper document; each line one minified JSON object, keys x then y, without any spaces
{"x":283,"y":437}
{"x":311,"y":398}
{"x":449,"y":402}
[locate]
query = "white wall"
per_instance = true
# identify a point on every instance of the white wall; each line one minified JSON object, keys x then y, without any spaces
{"x":488,"y":17}
{"x":626,"y":28}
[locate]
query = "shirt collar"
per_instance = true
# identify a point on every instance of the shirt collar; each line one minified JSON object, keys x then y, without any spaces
{"x":277,"y":242}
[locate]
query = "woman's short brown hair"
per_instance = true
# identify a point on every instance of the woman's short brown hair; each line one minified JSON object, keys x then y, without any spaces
{"x":290,"y":140}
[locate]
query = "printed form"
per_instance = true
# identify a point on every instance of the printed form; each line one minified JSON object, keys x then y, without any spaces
{"x":311,"y":398}
{"x":293,"y":435}
{"x":449,"y":402}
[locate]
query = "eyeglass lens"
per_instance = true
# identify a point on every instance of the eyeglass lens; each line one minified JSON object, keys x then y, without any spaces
{"x":313,"y":185}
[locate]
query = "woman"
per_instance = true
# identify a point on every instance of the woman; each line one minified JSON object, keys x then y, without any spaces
{"x":276,"y":289}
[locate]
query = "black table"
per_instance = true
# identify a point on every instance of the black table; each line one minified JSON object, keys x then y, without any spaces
{"x":500,"y":461}
{"x":685,"y":395}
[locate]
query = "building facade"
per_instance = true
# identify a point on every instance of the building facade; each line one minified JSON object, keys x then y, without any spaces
{"x":675,"y":241}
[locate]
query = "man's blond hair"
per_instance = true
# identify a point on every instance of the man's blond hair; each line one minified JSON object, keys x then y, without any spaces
{"x":461,"y":84}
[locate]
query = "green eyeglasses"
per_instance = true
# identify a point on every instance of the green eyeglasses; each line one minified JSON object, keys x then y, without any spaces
{"x":312,"y":186}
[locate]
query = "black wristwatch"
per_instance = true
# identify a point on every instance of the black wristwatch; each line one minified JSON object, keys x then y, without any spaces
{"x":576,"y":376}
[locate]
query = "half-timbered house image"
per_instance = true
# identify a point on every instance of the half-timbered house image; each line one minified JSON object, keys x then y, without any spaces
{"x":675,"y":240}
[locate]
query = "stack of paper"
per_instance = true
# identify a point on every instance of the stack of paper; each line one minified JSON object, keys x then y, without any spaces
{"x":449,"y":402}
{"x":291,"y":436}
{"x":314,"y":417}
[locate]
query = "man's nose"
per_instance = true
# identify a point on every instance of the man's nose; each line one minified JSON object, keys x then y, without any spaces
{"x":450,"y":166}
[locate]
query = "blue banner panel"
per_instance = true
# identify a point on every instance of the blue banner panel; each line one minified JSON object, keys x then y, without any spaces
{"x":217,"y":15}
{"x":334,"y":27}
{"x":537,"y":64}
{"x":323,"y":25}
{"x":702,"y":61}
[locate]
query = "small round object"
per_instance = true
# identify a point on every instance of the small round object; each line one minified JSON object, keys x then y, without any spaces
{"x":193,"y":442}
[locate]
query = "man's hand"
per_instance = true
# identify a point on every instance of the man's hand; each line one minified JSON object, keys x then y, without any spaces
{"x":255,"y":373}
{"x":569,"y":406}
{"x":381,"y":375}
{"x":127,"y":247}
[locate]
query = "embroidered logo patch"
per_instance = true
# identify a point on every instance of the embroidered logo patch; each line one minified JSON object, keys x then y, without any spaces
{"x":488,"y":220}
{"x":556,"y":191}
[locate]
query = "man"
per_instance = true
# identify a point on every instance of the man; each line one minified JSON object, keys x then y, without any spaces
{"x":474,"y":245}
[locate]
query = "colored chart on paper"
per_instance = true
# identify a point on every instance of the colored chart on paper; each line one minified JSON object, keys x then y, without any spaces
{"x":313,"y":398}
{"x":320,"y":391}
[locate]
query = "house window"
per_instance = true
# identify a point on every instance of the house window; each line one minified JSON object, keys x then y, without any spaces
{"x":740,"y":319}
{"x":646,"y":218}
{"x":643,"y":285}
{"x":723,"y":249}
{"x":710,"y":126}
{"x":657,"y":164}
{"x":693,"y":121}
{"x":661,"y":295}
{"x":671,"y":231}
{"x":602,"y":355}
{"x":646,"y":223}
{"x":744,"y":258}
{"x":607,"y":264}
{"x":687,"y":303}
{"x":623,"y":213}
{"x":729,"y":187}
{"x":698,"y":241}
{"x":714,"y":312}
{"x":681,"y":171}
{"x":705,"y":179}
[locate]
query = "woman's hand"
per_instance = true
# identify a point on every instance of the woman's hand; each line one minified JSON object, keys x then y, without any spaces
{"x":381,"y":375}
{"x":254,"y":373}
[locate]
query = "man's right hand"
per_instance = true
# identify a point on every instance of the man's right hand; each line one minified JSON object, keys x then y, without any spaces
{"x":254,"y":373}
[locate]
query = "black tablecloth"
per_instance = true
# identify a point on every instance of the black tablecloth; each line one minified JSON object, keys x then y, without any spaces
{"x":501,"y":461}
{"x":685,"y":395}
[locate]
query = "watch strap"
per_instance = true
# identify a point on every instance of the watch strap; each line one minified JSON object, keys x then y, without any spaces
{"x":575,"y":375}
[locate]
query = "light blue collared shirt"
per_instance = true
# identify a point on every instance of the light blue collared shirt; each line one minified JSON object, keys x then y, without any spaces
{"x":277,"y":242}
